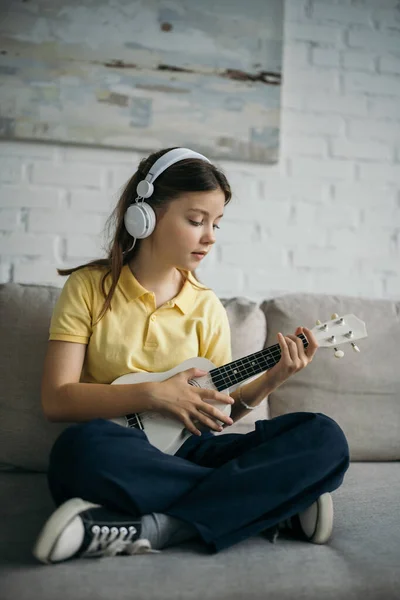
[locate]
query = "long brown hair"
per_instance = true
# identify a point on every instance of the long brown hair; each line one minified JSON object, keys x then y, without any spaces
{"x":188,"y":175}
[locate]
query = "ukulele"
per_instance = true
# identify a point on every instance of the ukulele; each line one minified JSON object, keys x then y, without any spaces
{"x":168,"y":434}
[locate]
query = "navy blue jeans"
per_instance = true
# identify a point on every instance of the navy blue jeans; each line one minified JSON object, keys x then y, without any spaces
{"x":229,"y":486}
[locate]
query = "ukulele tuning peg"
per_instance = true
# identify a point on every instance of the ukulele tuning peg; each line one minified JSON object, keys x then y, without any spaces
{"x":334,"y":316}
{"x":339,"y":353}
{"x":318,"y":322}
{"x":355,"y":348}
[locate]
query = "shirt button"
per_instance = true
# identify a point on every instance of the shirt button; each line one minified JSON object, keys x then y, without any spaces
{"x":153,"y":318}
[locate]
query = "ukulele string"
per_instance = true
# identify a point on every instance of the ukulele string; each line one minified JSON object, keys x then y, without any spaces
{"x":144,"y":418}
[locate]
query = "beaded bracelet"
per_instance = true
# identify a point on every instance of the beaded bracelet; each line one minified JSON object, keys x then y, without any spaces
{"x":243,"y":402}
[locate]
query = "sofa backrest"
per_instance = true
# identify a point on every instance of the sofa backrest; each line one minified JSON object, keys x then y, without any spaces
{"x":361,"y":391}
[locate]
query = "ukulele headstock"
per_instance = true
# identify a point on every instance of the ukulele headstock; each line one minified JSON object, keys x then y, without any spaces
{"x":338,"y":331}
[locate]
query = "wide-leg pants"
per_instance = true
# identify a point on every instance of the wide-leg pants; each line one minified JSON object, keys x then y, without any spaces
{"x":229,"y":486}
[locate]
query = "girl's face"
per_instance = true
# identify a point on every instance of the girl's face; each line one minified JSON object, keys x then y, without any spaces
{"x":182,"y":229}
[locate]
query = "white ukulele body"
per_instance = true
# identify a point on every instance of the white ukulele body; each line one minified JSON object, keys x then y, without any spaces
{"x":165,"y":433}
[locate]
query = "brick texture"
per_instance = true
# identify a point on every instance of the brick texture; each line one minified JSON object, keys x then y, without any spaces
{"x":325,"y":219}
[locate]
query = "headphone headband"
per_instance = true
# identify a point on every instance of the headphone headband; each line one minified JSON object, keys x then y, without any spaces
{"x":140,"y":218}
{"x":161,"y":164}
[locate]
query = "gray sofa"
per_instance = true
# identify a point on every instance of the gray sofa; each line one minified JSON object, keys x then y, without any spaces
{"x":361,"y":392}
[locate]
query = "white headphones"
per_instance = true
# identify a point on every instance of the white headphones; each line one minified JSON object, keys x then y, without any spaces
{"x":140,"y":218}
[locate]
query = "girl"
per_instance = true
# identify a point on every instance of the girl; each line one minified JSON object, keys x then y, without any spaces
{"x":142,"y":309}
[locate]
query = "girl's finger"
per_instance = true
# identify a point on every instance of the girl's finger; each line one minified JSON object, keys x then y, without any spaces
{"x":292,"y":346}
{"x":300,"y":347}
{"x":283,"y":344}
{"x":312,"y":343}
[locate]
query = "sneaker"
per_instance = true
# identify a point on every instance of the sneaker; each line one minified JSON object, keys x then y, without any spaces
{"x":82,"y":529}
{"x":314,"y":524}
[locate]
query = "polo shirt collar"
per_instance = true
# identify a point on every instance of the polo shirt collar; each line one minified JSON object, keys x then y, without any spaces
{"x":132,"y":290}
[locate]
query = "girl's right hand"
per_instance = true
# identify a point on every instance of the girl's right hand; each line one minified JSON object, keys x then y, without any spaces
{"x":177,"y":398}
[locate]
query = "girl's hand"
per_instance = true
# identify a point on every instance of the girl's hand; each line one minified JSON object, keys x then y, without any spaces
{"x":294,"y":357}
{"x":175,"y":397}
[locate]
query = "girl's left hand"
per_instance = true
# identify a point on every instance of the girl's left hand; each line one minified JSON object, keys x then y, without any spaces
{"x":294,"y":357}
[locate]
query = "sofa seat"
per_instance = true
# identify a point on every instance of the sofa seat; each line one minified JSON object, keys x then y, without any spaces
{"x":362,"y":560}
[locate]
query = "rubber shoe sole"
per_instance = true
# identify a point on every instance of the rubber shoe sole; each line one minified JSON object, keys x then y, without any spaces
{"x":316,"y":521}
{"x":54,"y":527}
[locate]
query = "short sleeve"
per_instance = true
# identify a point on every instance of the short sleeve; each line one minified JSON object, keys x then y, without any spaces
{"x":217,"y":346}
{"x":72,"y":315}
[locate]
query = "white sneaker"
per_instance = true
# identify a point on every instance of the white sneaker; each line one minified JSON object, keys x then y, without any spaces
{"x":314,"y":524}
{"x":82,"y":529}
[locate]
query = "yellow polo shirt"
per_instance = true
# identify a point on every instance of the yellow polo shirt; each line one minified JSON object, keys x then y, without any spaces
{"x":135,"y":336}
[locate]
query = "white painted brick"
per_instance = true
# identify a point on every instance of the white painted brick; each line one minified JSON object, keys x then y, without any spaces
{"x":335,"y":103}
{"x":27,"y":244}
{"x":358,"y":61}
{"x":24,"y":196}
{"x":28,"y":150}
{"x":345,"y":283}
{"x":297,"y":55}
{"x":103,"y":156}
{"x":320,"y":258}
{"x":390,"y":64}
{"x":386,"y":85}
{"x":248,"y":255}
{"x":37,"y":272}
{"x":10,"y":170}
{"x":10,"y":219}
{"x":83,"y":245}
{"x":369,"y":130}
{"x":92,"y":201}
{"x":377,"y":264}
{"x":272,"y":282}
{"x":49,"y":221}
{"x":325,"y":57}
{"x":313,"y":124}
{"x":308,"y":190}
{"x":383,"y":172}
{"x":382,"y":41}
{"x":341,"y":14}
{"x":290,"y":100}
{"x":362,"y":243}
{"x":225,"y":282}
{"x":371,"y":151}
{"x":363,"y":194}
{"x":82,"y":185}
{"x":305,"y":146}
{"x":121,"y":175}
{"x":252,"y":211}
{"x":382,"y":216}
{"x":320,"y":169}
{"x":327,"y":217}
{"x":231,"y":231}
{"x":326,"y":35}
{"x":386,"y":108}
{"x":244,"y":187}
{"x":307,"y":80}
{"x":293,"y":235}
{"x":69,"y":175}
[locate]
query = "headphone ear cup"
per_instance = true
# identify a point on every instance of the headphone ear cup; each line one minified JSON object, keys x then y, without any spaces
{"x":140,"y":220}
{"x":144,"y":189}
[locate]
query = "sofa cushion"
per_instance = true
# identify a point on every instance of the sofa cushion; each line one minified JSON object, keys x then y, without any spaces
{"x":361,"y":561}
{"x":249,"y":332}
{"x":26,"y":436}
{"x":360,"y":391}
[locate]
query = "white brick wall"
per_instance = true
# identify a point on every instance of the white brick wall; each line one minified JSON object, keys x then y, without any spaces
{"x":325,"y":219}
